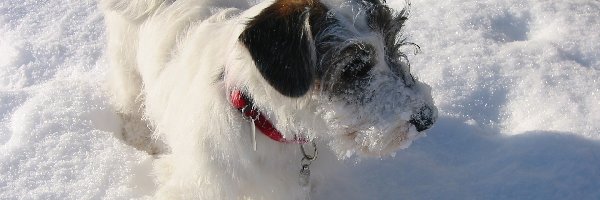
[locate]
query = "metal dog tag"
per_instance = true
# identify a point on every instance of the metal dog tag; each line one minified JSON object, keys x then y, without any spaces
{"x":305,"y":176}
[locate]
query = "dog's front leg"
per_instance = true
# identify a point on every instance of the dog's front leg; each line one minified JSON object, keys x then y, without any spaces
{"x":125,"y":82}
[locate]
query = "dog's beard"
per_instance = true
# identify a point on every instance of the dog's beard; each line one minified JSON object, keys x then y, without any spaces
{"x":372,"y":119}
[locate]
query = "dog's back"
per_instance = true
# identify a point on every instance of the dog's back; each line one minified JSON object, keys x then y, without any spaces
{"x":142,"y":35}
{"x":143,"y":38}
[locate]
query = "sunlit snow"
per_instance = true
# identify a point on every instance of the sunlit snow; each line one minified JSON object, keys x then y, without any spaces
{"x":517,"y":84}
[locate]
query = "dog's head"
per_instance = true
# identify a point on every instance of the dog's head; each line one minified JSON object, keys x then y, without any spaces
{"x":345,"y":57}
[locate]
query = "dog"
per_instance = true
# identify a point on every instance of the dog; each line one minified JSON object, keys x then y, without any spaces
{"x":225,"y":92}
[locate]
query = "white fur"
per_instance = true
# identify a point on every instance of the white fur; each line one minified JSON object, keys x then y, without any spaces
{"x":166,"y":58}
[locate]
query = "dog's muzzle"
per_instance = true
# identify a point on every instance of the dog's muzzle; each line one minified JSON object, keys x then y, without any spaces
{"x":424,"y":118}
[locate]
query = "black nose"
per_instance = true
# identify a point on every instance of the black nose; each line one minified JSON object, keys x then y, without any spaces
{"x":424,"y":118}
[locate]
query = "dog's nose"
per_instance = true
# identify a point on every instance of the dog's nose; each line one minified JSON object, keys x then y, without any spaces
{"x":424,"y":118}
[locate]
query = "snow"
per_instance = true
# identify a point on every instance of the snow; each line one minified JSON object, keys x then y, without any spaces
{"x":516,"y":84}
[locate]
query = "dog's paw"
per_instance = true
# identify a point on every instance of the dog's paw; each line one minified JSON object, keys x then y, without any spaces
{"x":138,"y":134}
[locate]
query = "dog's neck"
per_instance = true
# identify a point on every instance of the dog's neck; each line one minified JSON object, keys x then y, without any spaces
{"x":242,"y":103}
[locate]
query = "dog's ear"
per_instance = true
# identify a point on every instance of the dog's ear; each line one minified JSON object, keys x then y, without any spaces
{"x":280,"y":42}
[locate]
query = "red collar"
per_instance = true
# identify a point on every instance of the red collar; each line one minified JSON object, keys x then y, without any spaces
{"x":244,"y":105}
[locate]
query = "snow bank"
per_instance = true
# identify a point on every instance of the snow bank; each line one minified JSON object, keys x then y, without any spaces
{"x":61,"y":146}
{"x":57,"y":131}
{"x":512,"y":66}
{"x":516,"y":84}
{"x":457,"y":161}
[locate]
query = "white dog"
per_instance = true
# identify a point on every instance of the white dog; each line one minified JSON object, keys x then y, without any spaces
{"x":231,"y":90}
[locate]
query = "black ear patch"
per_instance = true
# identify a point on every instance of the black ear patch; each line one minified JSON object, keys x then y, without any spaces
{"x":280,"y":44}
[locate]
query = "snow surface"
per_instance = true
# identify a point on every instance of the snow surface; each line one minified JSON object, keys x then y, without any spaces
{"x":516,"y":83}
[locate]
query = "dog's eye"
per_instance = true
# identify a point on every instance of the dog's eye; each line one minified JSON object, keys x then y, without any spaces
{"x":358,"y":68}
